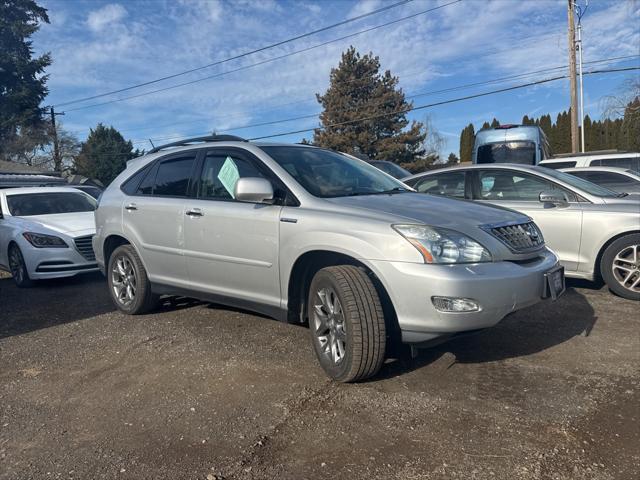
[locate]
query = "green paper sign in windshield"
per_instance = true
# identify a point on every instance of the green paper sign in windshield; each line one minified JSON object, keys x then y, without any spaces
{"x":229,"y":175}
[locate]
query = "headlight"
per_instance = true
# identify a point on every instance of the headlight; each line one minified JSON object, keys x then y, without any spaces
{"x":40,"y":240}
{"x":441,"y":245}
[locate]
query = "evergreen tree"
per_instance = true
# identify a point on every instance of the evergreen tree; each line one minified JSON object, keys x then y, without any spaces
{"x":452,"y":159}
{"x":528,"y":121}
{"x":22,"y":83}
{"x":545,"y":124}
{"x":485,"y":126}
{"x":495,"y":123}
{"x":467,"y":138}
{"x":104,"y":154}
{"x":358,"y":90}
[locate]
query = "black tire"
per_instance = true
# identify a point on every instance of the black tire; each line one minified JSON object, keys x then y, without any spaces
{"x":359,"y":331}
{"x":614,"y":271}
{"x":143,"y":299}
{"x":18,"y":267}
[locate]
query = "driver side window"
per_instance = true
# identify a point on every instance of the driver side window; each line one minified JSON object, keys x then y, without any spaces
{"x":509,"y":185}
{"x":220,"y":173}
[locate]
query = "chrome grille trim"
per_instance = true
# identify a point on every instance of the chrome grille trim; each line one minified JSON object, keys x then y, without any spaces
{"x":85,"y":247}
{"x":519,"y":237}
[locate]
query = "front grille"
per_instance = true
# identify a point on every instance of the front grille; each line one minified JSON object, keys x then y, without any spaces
{"x":85,"y":247}
{"x":520,"y":238}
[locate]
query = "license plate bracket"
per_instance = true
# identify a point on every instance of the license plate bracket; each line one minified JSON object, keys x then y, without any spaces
{"x":554,"y":283}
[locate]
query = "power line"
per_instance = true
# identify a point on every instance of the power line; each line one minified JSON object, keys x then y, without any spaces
{"x":307,"y":100}
{"x":421,"y":107}
{"x":242,"y":55}
{"x":246,"y":67}
{"x":412,"y":96}
{"x":444,"y":102}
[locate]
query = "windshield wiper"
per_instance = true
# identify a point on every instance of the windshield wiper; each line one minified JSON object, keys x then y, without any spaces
{"x":391,"y":191}
{"x":383,"y":192}
{"x":623,"y":194}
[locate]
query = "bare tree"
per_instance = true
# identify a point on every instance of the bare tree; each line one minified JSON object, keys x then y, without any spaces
{"x":615,"y":105}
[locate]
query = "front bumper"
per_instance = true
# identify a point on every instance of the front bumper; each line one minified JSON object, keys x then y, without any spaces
{"x":500,"y":288}
{"x":43,"y":263}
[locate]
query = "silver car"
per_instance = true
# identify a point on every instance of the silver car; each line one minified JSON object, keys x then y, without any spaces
{"x":594,"y":231}
{"x":306,"y":234}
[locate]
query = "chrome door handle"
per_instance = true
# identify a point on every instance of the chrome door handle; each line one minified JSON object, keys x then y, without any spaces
{"x":194,"y":212}
{"x":131,"y":206}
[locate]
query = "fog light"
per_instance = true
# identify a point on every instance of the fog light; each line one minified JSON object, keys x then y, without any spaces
{"x":453,"y":304}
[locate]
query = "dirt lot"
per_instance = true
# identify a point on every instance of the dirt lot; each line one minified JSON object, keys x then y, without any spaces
{"x":197,"y":391}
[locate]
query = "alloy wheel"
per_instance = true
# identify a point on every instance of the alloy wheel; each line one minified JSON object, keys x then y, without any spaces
{"x":626,"y":268}
{"x":123,"y":280}
{"x":16,"y":265}
{"x":329,"y":326}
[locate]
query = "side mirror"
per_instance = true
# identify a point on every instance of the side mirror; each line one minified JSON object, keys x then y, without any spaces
{"x":254,"y":190}
{"x":554,"y":197}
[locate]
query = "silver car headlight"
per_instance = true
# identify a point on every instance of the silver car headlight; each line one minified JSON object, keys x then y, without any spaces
{"x":40,"y":240}
{"x":441,"y":245}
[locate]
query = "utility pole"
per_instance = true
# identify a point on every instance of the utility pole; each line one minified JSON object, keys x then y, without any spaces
{"x":580,"y":12}
{"x":57,"y":161}
{"x":572,"y":78}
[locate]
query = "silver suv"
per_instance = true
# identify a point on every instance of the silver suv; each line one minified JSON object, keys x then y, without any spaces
{"x":305,"y":234}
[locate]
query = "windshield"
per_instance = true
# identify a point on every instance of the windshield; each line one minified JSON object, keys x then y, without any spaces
{"x":392,"y":169}
{"x":27,"y":204}
{"x":584,"y":185}
{"x":326,"y":174}
{"x":508,"y":152}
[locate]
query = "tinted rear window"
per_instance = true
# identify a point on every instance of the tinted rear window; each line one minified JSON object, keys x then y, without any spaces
{"x":508,"y":152}
{"x":558,"y":165}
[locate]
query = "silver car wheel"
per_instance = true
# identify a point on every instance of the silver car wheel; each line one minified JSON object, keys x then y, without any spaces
{"x":16,"y":265}
{"x":626,"y":268}
{"x":328,"y":324}
{"x":123,"y":281}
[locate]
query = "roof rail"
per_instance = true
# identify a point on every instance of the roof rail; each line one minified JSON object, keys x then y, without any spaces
{"x":587,"y":154}
{"x":209,"y":138}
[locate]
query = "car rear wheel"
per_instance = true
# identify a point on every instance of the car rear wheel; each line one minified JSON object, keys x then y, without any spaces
{"x":18,"y":268}
{"x":128,"y":282}
{"x":346,"y":323}
{"x":620,"y":266}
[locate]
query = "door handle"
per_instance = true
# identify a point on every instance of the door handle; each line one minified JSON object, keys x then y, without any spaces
{"x":131,"y":206}
{"x":194,"y":212}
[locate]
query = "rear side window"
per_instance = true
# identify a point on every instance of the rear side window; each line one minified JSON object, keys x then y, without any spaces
{"x":170,"y":178}
{"x":131,"y":185}
{"x":630,"y":163}
{"x":173,"y":177}
{"x":558,"y":165}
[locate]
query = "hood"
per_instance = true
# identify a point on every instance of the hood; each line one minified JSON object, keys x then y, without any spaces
{"x":628,"y":203}
{"x":67,"y":223}
{"x":461,"y":215}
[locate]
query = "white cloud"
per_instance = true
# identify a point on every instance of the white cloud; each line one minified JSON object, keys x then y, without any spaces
{"x":109,"y":14}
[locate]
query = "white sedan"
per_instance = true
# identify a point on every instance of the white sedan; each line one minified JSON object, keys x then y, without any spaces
{"x":46,"y":232}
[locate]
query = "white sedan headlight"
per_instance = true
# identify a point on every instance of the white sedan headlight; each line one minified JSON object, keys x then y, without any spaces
{"x":40,"y":240}
{"x":441,"y":245}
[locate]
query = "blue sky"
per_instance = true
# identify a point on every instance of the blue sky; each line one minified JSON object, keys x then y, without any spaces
{"x":100,"y":46}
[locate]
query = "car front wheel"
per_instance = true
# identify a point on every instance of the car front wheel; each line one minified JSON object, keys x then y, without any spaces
{"x":128,"y":282}
{"x":346,"y":323}
{"x":620,"y":266}
{"x":18,"y":268}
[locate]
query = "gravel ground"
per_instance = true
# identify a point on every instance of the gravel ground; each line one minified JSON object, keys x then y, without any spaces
{"x":197,"y":391}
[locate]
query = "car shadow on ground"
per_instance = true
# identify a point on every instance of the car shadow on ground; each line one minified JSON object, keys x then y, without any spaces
{"x":522,"y":333}
{"x":51,"y":302}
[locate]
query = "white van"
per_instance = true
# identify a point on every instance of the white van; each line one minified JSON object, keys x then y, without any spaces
{"x":607,"y":158}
